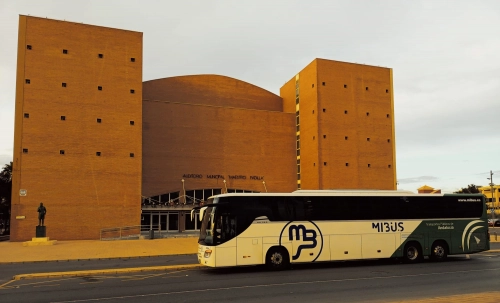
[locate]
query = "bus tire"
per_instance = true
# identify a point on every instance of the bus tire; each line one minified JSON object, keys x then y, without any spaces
{"x":439,"y":251}
{"x":277,"y":258}
{"x":412,"y":252}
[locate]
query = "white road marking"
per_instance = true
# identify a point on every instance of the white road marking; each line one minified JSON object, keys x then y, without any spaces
{"x":277,"y":284}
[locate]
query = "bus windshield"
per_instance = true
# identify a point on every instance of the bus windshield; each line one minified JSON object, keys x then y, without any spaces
{"x":207,"y":227}
{"x":218,"y":225}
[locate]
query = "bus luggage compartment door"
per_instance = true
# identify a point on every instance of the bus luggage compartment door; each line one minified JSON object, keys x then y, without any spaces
{"x":249,"y":251}
{"x":378,"y":245}
{"x":345,"y":247}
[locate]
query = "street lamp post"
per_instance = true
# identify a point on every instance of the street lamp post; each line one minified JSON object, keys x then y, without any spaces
{"x":225,"y":185}
{"x":492,"y":195}
{"x":183,"y":191}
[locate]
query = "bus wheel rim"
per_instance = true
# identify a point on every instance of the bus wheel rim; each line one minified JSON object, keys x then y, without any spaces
{"x":277,"y":258}
{"x":412,"y":253}
{"x":439,"y":251}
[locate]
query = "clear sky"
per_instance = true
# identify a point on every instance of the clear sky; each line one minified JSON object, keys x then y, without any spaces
{"x":445,"y":57}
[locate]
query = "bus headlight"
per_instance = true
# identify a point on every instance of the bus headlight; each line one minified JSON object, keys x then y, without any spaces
{"x":208,"y":252}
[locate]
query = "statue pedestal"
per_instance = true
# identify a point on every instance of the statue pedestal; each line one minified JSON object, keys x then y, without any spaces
{"x":39,"y":241}
{"x":41,"y":232}
{"x":41,"y":238}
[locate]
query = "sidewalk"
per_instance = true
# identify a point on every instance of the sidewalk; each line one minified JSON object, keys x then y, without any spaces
{"x":15,"y":252}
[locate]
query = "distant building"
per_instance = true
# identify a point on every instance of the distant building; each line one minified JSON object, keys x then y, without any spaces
{"x":492,"y":194}
{"x":102,"y":149}
{"x":426,"y":189}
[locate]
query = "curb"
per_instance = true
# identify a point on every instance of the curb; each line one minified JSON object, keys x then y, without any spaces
{"x":82,"y":273}
{"x":92,"y":259}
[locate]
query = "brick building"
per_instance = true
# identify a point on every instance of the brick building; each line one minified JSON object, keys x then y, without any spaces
{"x":78,"y":129}
{"x":168,"y":144}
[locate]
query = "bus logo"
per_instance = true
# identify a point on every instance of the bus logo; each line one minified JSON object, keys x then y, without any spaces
{"x":306,"y":239}
{"x":467,"y":233}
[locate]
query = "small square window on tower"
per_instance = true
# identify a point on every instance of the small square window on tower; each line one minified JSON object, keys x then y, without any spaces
{"x":26,"y":115}
{"x":324,"y":136}
{"x":65,"y":51}
{"x":132,"y":59}
{"x":367,"y":139}
{"x":132,"y":122}
{"x":369,"y":165}
{"x":324,"y":110}
{"x":61,"y":152}
{"x":99,"y":120}
{"x":132,"y":91}
{"x":101,"y":56}
{"x":345,"y":85}
{"x":63,"y":118}
{"x":388,"y":140}
{"x":132,"y":155}
{"x":367,"y":114}
{"x":63,"y":84}
{"x":313,"y":111}
{"x":324,"y":83}
{"x":27,"y":81}
{"x":345,"y":112}
{"x":98,"y":154}
{"x":389,"y":166}
{"x":386,"y":90}
{"x":313,"y":85}
{"x":388,"y":115}
{"x":346,"y":137}
{"x":346,"y":164}
{"x":28,"y":46}
{"x":324,"y":163}
{"x":99,"y":88}
{"x":25,"y":150}
{"x":366,"y":88}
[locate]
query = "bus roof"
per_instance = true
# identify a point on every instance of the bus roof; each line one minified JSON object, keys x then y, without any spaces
{"x":366,"y":193}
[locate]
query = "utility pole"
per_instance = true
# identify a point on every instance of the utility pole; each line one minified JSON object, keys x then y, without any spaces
{"x":492,"y":195}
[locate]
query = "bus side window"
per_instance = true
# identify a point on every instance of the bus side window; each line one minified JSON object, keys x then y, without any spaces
{"x":226,"y":227}
{"x":297,"y":208}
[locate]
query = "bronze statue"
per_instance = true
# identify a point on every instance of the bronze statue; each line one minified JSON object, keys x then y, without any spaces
{"x":41,"y":214}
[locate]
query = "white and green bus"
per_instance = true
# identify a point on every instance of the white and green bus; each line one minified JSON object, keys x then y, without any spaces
{"x":277,"y":229}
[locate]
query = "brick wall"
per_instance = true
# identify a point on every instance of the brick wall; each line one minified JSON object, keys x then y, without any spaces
{"x":57,"y":126}
{"x":193,"y":138}
{"x":346,"y":116}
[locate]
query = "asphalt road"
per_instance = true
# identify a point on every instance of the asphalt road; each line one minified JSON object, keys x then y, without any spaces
{"x":7,"y":271}
{"x":353,"y":281}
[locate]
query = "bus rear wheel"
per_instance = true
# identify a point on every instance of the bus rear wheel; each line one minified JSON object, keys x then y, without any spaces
{"x":412,"y":253}
{"x":277,"y":258}
{"x":439,"y":251}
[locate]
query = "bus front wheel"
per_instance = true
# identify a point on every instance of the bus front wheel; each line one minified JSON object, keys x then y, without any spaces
{"x":277,"y":258}
{"x":439,"y":251}
{"x":412,"y":253}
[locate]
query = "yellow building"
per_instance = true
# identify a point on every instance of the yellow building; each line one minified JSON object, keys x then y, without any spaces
{"x":426,"y":189}
{"x":492,"y":194}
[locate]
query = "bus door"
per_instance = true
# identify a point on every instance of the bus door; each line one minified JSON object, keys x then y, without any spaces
{"x":225,"y":232}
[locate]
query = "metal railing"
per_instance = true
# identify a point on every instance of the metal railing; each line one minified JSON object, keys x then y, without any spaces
{"x":130,"y":232}
{"x":179,"y":202}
